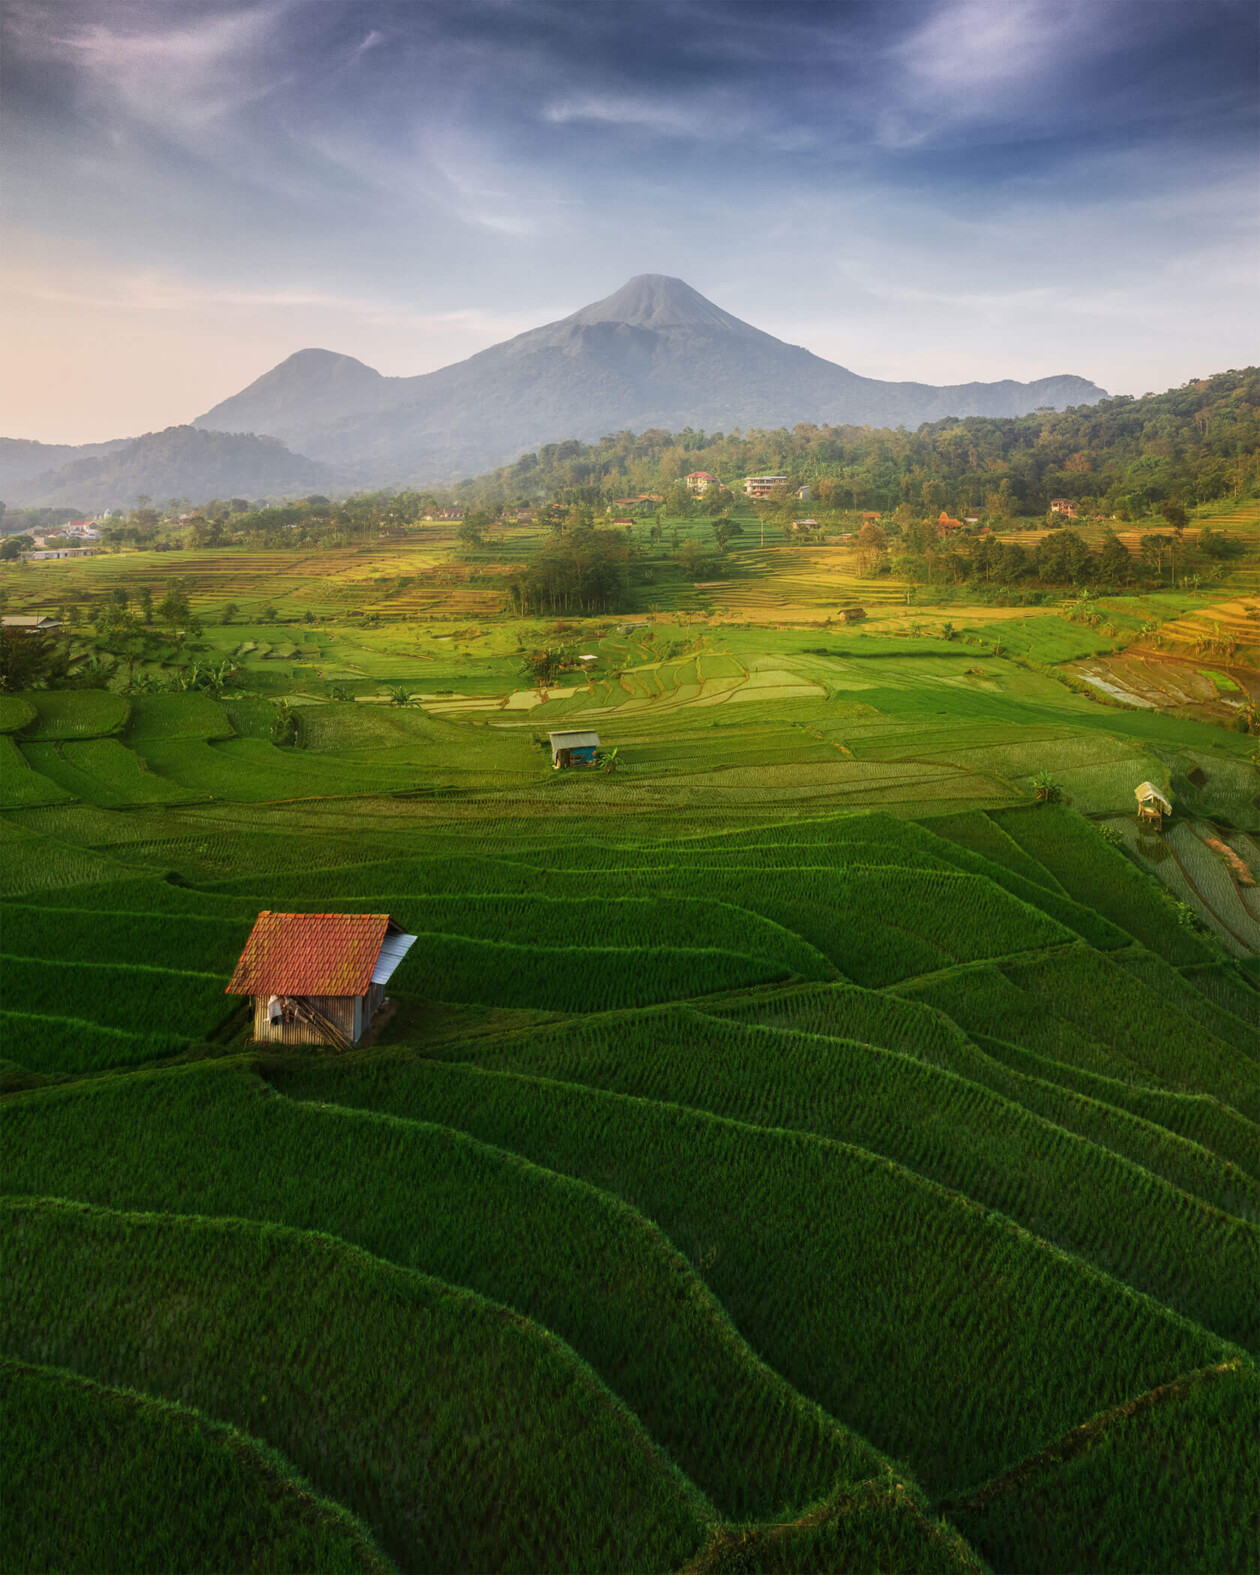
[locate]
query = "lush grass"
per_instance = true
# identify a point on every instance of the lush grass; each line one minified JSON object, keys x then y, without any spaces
{"x":1080,"y":1008}
{"x":21,"y":786}
{"x":1102,"y":878}
{"x":877,"y":923}
{"x":67,"y":935}
{"x":75,"y":713}
{"x":875,"y":1529}
{"x":592,"y":1270}
{"x":573,"y":978}
{"x":982,"y":834}
{"x":873,"y":918}
{"x":15,"y":712}
{"x":143,"y":896}
{"x":903,"y":1345}
{"x":155,"y":1486}
{"x":1237,"y":1024}
{"x":46,"y":1044}
{"x":1198,"y":1118}
{"x":30,"y":862}
{"x":1169,"y":1484}
{"x":542,"y":922}
{"x":1081,"y":1197}
{"x":188,"y":715}
{"x":428,"y":1413}
{"x":1131,"y":1120}
{"x":131,"y":996}
{"x":104,"y":771}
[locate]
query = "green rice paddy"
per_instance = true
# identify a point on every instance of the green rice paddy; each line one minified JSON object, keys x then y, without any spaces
{"x":793,"y":1149}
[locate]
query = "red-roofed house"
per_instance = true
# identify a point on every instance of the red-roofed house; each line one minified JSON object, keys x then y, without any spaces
{"x":945,"y":525}
{"x":701,"y":481}
{"x":318,"y":978}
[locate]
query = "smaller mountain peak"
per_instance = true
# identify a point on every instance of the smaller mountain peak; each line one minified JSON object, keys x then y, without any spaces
{"x":657,"y":300}
{"x":323,"y":361}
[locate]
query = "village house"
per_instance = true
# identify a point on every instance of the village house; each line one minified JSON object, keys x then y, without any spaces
{"x":762,"y":486}
{"x":28,"y":625}
{"x":573,"y":749}
{"x":804,"y":524}
{"x":804,"y":494}
{"x":946,"y":525}
{"x":1064,"y":506}
{"x":318,"y":978}
{"x":699,"y":481}
{"x":59,"y":552}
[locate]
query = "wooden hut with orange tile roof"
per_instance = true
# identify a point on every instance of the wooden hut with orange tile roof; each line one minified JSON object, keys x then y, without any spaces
{"x":318,"y":978}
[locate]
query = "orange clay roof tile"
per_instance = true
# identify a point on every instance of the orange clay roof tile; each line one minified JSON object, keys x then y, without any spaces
{"x":310,"y":954}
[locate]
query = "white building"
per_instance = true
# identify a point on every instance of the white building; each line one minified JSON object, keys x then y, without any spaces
{"x":762,"y":486}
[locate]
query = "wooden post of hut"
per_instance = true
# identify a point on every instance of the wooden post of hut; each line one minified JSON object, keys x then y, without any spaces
{"x":318,"y":978}
{"x":1152,"y":805}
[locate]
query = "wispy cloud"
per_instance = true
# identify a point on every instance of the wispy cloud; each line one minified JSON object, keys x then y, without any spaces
{"x":673,"y":119}
{"x":184,"y":73}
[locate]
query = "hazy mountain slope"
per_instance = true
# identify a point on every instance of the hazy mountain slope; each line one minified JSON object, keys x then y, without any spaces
{"x":655,"y":353}
{"x":181,"y":462}
{"x":21,"y":457}
{"x":302,"y":394}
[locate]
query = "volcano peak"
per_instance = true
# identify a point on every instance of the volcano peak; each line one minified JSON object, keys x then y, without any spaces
{"x":657,"y":300}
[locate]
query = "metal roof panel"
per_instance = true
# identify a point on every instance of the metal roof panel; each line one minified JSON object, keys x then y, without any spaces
{"x":393,"y":949}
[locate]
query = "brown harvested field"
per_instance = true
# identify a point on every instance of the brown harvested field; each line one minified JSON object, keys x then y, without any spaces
{"x":1162,"y":683}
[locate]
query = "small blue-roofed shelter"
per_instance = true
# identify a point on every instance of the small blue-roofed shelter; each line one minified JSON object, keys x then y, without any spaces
{"x":573,"y":749}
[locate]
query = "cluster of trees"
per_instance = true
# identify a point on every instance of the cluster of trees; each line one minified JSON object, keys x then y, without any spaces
{"x":1122,"y":457}
{"x":31,"y":661}
{"x":34,"y":520}
{"x":1062,"y":558}
{"x":582,"y":568}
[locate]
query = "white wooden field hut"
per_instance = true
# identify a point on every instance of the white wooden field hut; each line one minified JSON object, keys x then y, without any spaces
{"x":318,"y":978}
{"x":573,"y":749}
{"x":1152,"y":804}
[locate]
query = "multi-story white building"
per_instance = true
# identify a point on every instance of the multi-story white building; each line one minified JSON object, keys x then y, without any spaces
{"x":762,"y":486}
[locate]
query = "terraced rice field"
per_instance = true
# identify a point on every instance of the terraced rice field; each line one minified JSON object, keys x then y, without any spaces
{"x":792,"y":1149}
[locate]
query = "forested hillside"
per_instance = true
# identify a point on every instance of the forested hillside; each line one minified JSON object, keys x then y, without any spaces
{"x":182,"y":461}
{"x":1192,"y":444}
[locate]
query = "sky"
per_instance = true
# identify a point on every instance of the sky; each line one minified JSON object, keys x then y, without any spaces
{"x":942,"y":190}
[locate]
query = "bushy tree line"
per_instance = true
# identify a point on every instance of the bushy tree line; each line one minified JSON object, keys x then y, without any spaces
{"x":1062,"y":558}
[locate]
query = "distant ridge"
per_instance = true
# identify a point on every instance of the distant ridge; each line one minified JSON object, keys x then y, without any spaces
{"x":179,"y":462}
{"x":655,"y":353}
